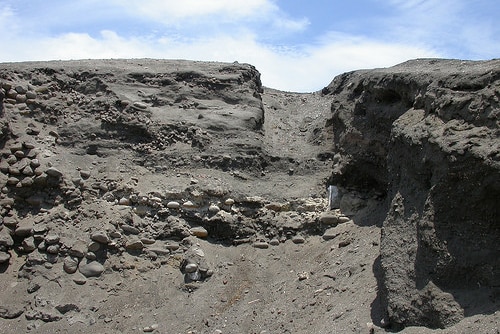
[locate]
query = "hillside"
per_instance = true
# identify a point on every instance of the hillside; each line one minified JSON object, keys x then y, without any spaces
{"x":184,"y":197}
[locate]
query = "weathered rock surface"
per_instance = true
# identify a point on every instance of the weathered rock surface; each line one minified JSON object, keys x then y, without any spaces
{"x":135,"y":193}
{"x":426,"y":134}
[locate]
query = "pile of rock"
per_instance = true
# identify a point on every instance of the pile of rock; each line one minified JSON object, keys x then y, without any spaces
{"x":18,"y":95}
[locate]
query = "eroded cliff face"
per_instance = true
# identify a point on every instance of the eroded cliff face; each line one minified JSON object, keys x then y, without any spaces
{"x":426,"y":134}
{"x":183,"y":196}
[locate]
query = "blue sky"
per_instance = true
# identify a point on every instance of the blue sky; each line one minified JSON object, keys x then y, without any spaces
{"x":297,"y":45}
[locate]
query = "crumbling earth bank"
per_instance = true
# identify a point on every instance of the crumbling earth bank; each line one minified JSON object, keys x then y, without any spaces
{"x":426,"y":133}
{"x":184,"y":197}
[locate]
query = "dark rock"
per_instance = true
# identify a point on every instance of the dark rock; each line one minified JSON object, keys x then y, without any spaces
{"x":428,"y":139}
{"x":91,"y":269}
{"x":11,"y":311}
{"x":4,"y":257}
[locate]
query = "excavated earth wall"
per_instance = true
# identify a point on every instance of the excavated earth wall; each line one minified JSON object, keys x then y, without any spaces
{"x":426,"y":134}
{"x":185,"y":197}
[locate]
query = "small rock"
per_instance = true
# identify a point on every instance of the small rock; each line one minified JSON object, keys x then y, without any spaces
{"x":191,"y":268}
{"x":53,"y":249}
{"x":24,"y":229}
{"x":302,"y":276}
{"x":274,"y":242}
{"x":85,"y":174}
{"x":344,"y":243}
{"x":27,"y":182}
{"x":330,"y":234}
{"x":79,"y":279}
{"x":28,"y":171}
{"x":70,"y":264}
{"x":90,"y":256}
{"x":189,"y":205}
{"x":6,"y":240}
{"x":140,"y":105}
{"x":33,"y":287}
{"x":298,"y":239}
{"x":329,"y":218}
{"x":11,"y":311}
{"x":199,"y":231}
{"x":213,"y":208}
{"x":173,"y":205}
{"x":130,"y":229}
{"x":229,"y":201}
{"x":124,"y":201}
{"x":134,"y":244}
{"x":148,"y":241}
{"x":52,"y":238}
{"x":30,"y":95}
{"x":261,"y":244}
{"x":343,"y":219}
{"x":28,"y":244}
{"x":100,"y":237}
{"x":91,"y":269}
{"x":115,"y":234}
{"x":20,"y":90}
{"x":159,"y":251}
{"x":94,"y":246}
{"x":4,"y":257}
{"x":19,"y":154}
{"x":172,"y":246}
{"x":35,"y":163}
{"x":54,"y":172}
{"x":78,"y":249}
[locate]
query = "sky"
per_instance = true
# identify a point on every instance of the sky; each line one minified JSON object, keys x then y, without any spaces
{"x":297,"y":45}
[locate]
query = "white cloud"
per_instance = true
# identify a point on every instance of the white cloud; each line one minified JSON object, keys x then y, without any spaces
{"x":178,"y":10}
{"x":305,"y":67}
{"x":293,"y":69}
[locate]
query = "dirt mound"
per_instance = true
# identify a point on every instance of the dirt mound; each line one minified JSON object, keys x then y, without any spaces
{"x":184,"y":197}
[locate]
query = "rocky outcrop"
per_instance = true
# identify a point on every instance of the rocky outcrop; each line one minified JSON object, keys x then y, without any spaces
{"x":425,"y":135}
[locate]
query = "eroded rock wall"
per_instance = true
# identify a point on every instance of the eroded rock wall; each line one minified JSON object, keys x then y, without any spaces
{"x":426,"y":134}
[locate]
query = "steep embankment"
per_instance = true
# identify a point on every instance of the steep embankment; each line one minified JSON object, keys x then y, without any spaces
{"x":426,"y":134}
{"x":184,"y":197}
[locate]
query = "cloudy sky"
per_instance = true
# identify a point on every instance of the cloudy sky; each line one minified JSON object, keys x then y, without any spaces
{"x":297,"y":45}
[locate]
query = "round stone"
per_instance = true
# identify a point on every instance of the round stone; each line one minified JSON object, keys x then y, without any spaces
{"x":24,"y":230}
{"x":343,"y":219}
{"x":213,"y":208}
{"x":91,"y":269}
{"x":4,"y":257}
{"x":274,"y":242}
{"x":261,"y":244}
{"x":94,"y":246}
{"x":298,"y":239}
{"x":199,"y":231}
{"x":85,"y":174}
{"x":124,"y":201}
{"x":52,"y":238}
{"x":191,"y":268}
{"x":54,"y":172}
{"x":329,"y":218}
{"x":173,"y":205}
{"x":189,"y":205}
{"x":100,"y":237}
{"x":70,"y":265}
{"x":134,"y":244}
{"x":229,"y":201}
{"x":53,"y":249}
{"x":29,"y":244}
